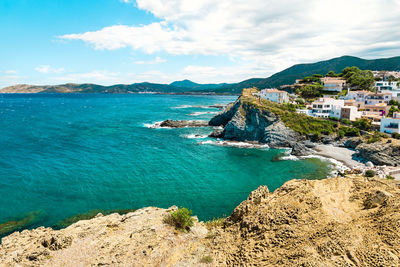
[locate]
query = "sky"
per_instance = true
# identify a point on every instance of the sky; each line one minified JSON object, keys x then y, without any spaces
{"x":127,"y":41}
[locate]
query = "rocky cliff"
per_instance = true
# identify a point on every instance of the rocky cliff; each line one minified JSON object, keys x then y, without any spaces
{"x":350,"y":221}
{"x":244,"y":122}
{"x":384,"y":152}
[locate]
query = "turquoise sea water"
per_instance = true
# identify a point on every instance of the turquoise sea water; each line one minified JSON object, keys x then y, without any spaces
{"x":63,"y":154}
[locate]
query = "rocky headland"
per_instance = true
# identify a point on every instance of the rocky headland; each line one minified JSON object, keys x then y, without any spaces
{"x":253,"y":119}
{"x":243,"y":121}
{"x":351,"y":221}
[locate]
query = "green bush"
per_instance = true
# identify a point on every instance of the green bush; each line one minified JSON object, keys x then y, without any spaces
{"x":396,"y":135}
{"x":180,"y":219}
{"x":376,"y":137}
{"x":346,"y":121}
{"x":389,"y":177}
{"x":347,"y":131}
{"x":206,"y":259}
{"x":363,"y":124}
{"x":369,"y":173}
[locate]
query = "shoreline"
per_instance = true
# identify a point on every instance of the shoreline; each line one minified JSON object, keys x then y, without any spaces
{"x":341,"y":154}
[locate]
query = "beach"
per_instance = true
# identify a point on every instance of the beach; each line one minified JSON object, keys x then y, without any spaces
{"x":341,"y":154}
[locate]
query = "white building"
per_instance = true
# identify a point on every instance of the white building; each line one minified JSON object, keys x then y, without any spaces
{"x":358,"y":96}
{"x":350,"y":112}
{"x":388,"y":87}
{"x":327,"y":107}
{"x":274,"y":95}
{"x":378,"y":98}
{"x":391,"y":125}
{"x":333,"y":84}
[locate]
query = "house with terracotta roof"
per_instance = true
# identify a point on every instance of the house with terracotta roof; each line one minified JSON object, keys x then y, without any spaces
{"x":274,"y":95}
{"x":333,"y":84}
{"x":381,"y":109}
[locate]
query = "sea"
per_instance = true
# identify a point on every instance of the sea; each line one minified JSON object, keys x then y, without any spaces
{"x":68,"y":154}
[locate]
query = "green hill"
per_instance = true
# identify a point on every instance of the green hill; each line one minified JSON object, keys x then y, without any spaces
{"x":197,"y":86}
{"x":289,"y":75}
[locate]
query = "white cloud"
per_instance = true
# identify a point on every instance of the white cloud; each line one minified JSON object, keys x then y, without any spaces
{"x":157,"y":60}
{"x":48,"y":69}
{"x":10,"y":72}
{"x":270,"y":34}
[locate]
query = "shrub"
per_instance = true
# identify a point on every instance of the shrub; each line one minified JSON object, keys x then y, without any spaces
{"x":389,"y":177}
{"x":180,"y":219}
{"x":369,"y":173}
{"x":396,"y":135}
{"x":347,"y":131}
{"x":346,"y":121}
{"x":216,"y":222}
{"x":363,"y":124}
{"x":206,"y":259}
{"x":376,"y":137}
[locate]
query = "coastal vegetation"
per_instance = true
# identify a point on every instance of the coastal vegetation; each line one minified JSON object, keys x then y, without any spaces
{"x":19,"y":223}
{"x":181,"y":219}
{"x":369,"y":173}
{"x":215,"y":222}
{"x":311,"y":86}
{"x":300,"y":123}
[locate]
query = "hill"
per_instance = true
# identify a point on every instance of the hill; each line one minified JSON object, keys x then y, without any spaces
{"x":94,"y":88}
{"x":197,"y":86}
{"x":287,"y":76}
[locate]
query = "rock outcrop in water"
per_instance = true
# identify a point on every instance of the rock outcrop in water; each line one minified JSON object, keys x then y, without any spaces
{"x":350,"y":221}
{"x":183,"y":124}
{"x":243,"y":122}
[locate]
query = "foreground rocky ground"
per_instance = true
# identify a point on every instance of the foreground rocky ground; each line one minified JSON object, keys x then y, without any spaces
{"x":350,"y":221}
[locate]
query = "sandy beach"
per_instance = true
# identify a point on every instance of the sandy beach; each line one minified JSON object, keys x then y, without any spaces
{"x":341,"y":154}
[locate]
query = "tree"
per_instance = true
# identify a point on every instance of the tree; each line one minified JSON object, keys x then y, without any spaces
{"x":315,"y":78}
{"x":362,"y":79}
{"x":332,"y":74}
{"x":349,"y":71}
{"x":363,"y":124}
{"x":392,"y":110}
{"x":310,"y":90}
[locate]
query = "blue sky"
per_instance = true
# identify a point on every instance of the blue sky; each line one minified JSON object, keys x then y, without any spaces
{"x":126,"y":41}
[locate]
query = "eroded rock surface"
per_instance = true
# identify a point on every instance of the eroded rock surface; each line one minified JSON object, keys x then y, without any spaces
{"x":352,"y":221}
{"x":332,"y":222}
{"x":135,"y":239}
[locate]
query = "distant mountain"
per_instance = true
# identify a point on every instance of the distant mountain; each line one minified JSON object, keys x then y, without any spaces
{"x":287,"y":76}
{"x":197,"y":86}
{"x":94,"y":88}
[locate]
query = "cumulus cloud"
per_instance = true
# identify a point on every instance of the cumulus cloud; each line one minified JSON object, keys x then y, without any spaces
{"x":48,"y":69}
{"x":157,"y":60}
{"x":272,"y":34}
